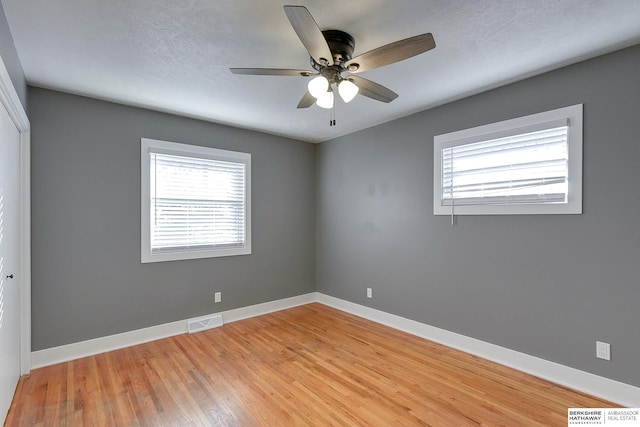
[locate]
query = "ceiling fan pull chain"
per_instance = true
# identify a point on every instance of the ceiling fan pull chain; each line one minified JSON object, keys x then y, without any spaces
{"x":333,"y":116}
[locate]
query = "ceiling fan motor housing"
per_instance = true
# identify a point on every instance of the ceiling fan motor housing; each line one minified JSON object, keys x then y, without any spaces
{"x":341,"y":45}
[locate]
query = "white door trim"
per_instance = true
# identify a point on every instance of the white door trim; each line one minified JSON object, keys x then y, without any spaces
{"x":11,"y":102}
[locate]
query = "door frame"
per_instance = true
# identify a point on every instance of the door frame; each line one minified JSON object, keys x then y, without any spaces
{"x":11,"y":102}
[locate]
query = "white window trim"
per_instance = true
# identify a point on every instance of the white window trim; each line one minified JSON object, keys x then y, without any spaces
{"x":573,"y":116}
{"x":148,"y":145}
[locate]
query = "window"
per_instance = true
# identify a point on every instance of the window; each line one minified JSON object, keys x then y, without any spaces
{"x":195,"y":202}
{"x":528,"y":165}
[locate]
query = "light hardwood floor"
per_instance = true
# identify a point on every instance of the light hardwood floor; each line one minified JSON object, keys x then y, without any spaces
{"x":310,"y":365}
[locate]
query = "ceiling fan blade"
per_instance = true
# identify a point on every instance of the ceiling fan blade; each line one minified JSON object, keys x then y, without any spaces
{"x":392,"y":52}
{"x":271,"y":72}
{"x":373,"y":90}
{"x":309,"y":33}
{"x":307,"y":100}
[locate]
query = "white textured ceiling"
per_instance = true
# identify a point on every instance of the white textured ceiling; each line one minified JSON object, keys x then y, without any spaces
{"x":175,"y":55}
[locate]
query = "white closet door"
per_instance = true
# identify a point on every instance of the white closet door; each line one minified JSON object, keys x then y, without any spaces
{"x":9,"y":261}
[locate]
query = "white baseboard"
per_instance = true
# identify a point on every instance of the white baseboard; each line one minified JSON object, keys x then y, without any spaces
{"x":64,"y":353}
{"x":614,"y":391}
{"x":608,"y":389}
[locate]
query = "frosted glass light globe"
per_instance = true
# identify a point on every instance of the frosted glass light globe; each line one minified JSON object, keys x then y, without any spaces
{"x":318,"y":86}
{"x":347,"y":90}
{"x":326,"y":100}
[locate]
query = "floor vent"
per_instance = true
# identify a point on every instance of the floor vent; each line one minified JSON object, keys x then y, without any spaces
{"x":203,"y":323}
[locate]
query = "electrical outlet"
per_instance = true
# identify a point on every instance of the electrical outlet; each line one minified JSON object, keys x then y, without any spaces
{"x":369,"y":293}
{"x":603,"y":350}
{"x":217,"y":297}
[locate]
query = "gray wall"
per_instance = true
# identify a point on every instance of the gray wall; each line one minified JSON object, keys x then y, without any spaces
{"x":88,"y":281}
{"x":10,"y":58}
{"x":549,"y":286}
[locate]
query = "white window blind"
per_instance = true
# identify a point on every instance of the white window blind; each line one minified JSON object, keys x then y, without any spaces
{"x":196,"y":203}
{"x":526,"y":165}
{"x":526,"y":168}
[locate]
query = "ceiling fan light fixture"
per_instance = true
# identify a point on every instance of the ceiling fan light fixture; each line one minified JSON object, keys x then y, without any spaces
{"x":331,"y":55}
{"x":347,"y":90}
{"x":325,"y":100}
{"x":318,"y":86}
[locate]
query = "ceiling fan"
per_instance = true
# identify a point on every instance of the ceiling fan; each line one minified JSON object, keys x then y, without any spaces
{"x":331,"y":56}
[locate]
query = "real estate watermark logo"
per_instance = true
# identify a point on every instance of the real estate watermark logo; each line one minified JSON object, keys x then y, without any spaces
{"x":615,"y":417}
